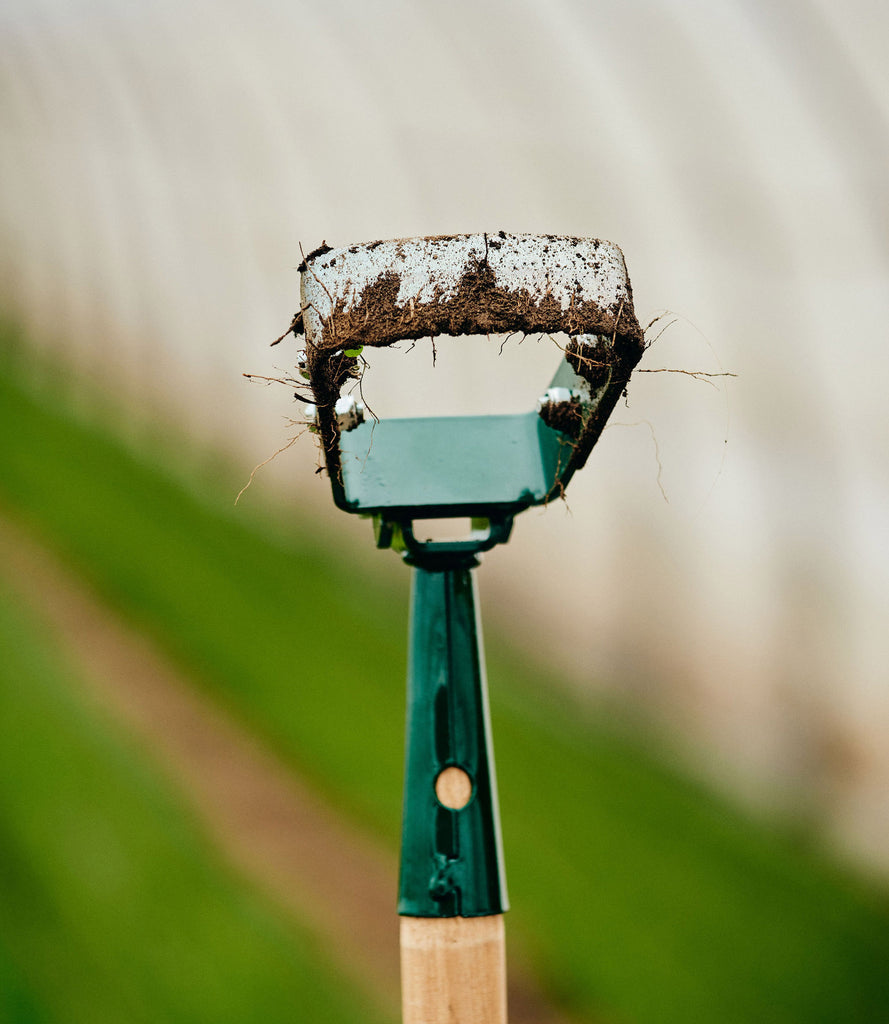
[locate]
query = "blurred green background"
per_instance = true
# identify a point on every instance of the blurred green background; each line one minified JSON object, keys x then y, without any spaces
{"x":638,"y":895}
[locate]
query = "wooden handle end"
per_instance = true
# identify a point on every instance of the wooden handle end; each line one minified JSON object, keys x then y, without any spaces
{"x":453,"y":970}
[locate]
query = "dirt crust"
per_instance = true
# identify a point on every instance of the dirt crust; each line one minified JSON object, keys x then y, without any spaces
{"x":382,"y":292}
{"x":478,"y":306}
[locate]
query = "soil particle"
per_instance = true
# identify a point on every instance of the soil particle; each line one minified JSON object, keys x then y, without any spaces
{"x":566,"y":417}
{"x":320,"y":251}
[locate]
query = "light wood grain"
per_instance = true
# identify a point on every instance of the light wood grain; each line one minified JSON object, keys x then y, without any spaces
{"x":453,"y":788}
{"x":453,"y":970}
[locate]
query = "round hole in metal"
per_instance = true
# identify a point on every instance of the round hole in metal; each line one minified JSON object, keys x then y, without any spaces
{"x":453,"y":787}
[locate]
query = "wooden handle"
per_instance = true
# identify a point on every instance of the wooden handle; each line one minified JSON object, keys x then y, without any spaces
{"x":453,"y":970}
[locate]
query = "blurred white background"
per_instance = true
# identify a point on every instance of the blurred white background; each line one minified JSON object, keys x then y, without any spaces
{"x":722,"y":564}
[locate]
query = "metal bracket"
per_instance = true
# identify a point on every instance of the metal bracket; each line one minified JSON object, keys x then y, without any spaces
{"x":451,"y":859}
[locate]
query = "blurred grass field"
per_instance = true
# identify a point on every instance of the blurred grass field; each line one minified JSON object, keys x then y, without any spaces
{"x":113,"y":907}
{"x":641,"y":897}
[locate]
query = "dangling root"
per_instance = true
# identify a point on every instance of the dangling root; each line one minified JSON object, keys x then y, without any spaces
{"x":256,"y":469}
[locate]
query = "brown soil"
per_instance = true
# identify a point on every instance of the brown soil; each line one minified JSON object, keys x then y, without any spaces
{"x":477,"y":306}
{"x":566,"y":417}
{"x":266,"y":822}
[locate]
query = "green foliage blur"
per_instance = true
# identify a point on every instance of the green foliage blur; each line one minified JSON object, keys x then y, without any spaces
{"x":113,"y":907}
{"x":638,"y":896}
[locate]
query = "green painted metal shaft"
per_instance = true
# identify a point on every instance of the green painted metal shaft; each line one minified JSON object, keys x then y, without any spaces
{"x":451,"y":860}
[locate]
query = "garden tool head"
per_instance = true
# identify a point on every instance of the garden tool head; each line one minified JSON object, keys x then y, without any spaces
{"x":487,"y":468}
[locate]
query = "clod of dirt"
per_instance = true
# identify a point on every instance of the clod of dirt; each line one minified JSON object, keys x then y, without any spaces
{"x":566,"y":417}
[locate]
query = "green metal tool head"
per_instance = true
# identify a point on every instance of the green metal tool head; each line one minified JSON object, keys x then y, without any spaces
{"x":483,"y":467}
